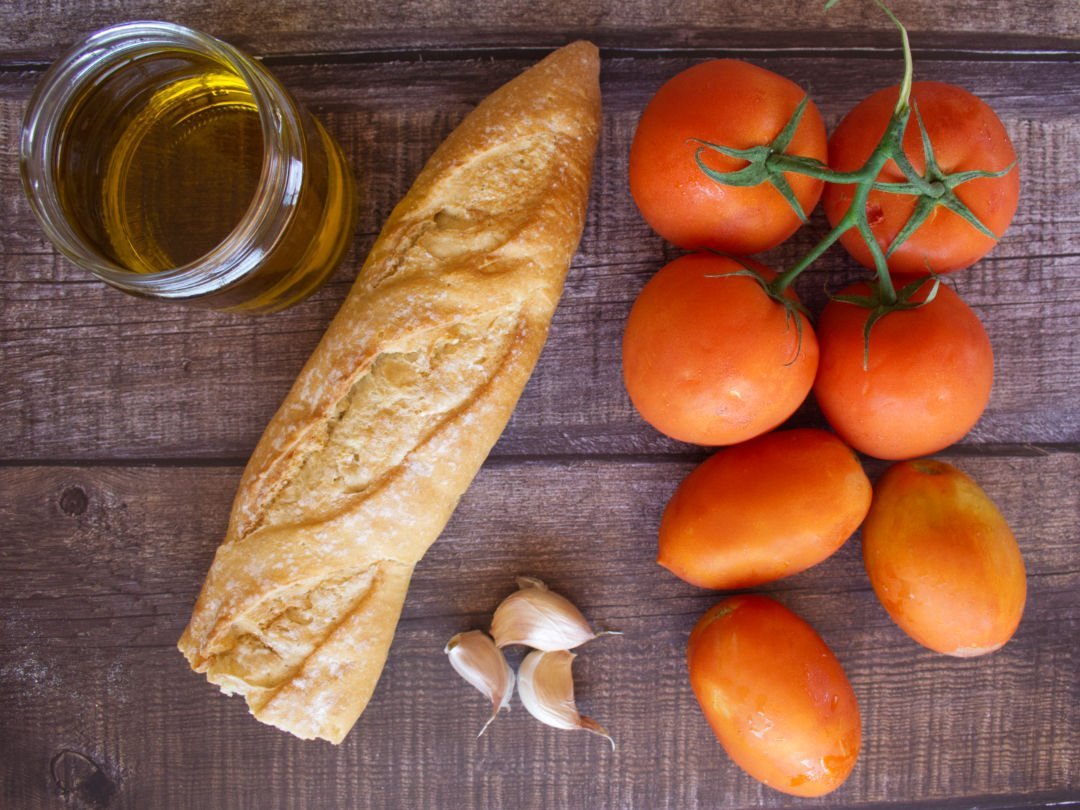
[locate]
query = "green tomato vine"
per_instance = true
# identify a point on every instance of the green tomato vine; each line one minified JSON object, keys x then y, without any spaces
{"x":770,"y":162}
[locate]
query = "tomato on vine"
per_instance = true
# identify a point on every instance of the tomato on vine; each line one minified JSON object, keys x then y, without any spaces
{"x":708,"y":354}
{"x":961,"y":148}
{"x":919,"y":384}
{"x":710,"y":357}
{"x":694,"y":127}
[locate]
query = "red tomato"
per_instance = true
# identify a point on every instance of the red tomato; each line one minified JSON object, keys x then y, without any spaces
{"x":775,"y":695}
{"x":927,"y":382}
{"x":764,"y":509}
{"x":965,"y":135}
{"x":715,"y":360}
{"x":942,"y":559}
{"x":733,"y":104}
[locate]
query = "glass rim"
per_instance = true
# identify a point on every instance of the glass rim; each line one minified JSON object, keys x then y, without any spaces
{"x":268,"y":213}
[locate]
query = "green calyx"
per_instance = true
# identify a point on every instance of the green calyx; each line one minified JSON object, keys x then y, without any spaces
{"x":879,"y":307}
{"x":933,"y":189}
{"x":762,"y":162}
{"x":794,"y":311}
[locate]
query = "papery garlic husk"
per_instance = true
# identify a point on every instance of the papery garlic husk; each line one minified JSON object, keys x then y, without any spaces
{"x":474,"y":657}
{"x":546,"y":687}
{"x":540,"y":618}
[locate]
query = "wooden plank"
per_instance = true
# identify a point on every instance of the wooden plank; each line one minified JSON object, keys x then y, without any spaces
{"x":102,"y":564}
{"x":160,"y":381}
{"x":42,"y":29}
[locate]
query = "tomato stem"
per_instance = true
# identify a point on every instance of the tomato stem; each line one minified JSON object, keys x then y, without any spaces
{"x":855,"y":217}
{"x":903,"y":100}
{"x":769,"y":163}
{"x":890,"y":147}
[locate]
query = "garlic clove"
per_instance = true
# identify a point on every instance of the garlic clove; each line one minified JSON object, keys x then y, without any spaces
{"x":474,"y":657}
{"x":540,"y":618}
{"x":546,"y":688}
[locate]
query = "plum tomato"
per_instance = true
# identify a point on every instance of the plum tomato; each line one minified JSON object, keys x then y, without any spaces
{"x":926,"y":379}
{"x":775,"y":695}
{"x":965,"y":135}
{"x":733,"y":104}
{"x":764,"y":509}
{"x":710,"y":358}
{"x":942,"y":559}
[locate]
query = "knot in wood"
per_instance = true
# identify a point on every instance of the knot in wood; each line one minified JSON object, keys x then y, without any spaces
{"x":76,"y":774}
{"x":73,"y":501}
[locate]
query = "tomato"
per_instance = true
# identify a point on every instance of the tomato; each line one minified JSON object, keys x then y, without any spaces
{"x":733,"y":104}
{"x":943,"y":560}
{"x":965,"y":135}
{"x":775,"y":695}
{"x":715,"y":360}
{"x":927,"y":381}
{"x":764,"y":509}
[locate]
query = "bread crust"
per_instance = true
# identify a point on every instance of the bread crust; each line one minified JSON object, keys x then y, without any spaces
{"x":397,"y":408}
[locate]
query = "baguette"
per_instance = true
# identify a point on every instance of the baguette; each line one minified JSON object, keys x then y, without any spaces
{"x":394,"y":413}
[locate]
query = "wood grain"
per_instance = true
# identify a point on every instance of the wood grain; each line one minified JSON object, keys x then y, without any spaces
{"x":125,"y":380}
{"x":105,"y":562}
{"x":123,"y":427}
{"x":40,"y":29}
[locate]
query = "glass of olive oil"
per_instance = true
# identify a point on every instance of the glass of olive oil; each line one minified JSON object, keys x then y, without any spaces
{"x":173,"y":166}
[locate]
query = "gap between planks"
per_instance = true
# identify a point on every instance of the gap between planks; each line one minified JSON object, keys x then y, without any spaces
{"x":996,"y":50}
{"x":1002,"y":450}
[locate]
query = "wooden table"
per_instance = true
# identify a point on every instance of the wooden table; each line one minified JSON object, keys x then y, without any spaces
{"x":125,"y":426}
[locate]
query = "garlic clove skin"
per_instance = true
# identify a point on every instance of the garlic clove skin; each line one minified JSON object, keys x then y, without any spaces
{"x":539,"y":618}
{"x":474,"y":657}
{"x":546,"y":688}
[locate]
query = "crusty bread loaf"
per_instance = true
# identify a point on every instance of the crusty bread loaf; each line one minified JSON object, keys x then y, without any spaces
{"x":388,"y":422}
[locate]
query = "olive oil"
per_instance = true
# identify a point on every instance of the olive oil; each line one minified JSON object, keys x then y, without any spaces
{"x":181,"y":172}
{"x":166,"y":165}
